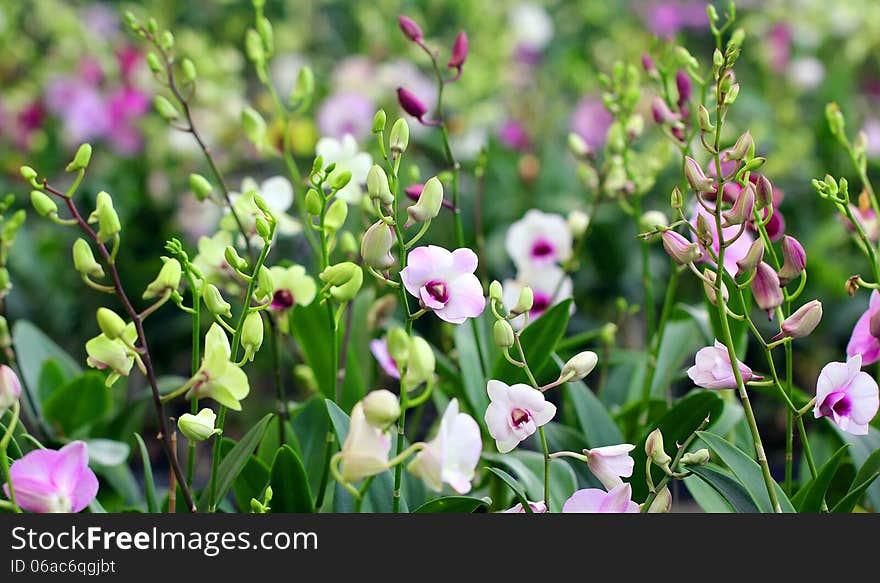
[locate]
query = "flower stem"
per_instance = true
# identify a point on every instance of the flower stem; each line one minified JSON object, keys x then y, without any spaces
{"x":4,"y":459}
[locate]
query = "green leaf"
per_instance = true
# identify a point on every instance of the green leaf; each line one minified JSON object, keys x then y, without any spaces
{"x":149,"y":484}
{"x":726,"y":486}
{"x":290,"y":484}
{"x":514,"y":486}
{"x":539,"y":339}
{"x":707,"y":496}
{"x":681,"y":338}
{"x":311,"y":328}
{"x":454,"y":504}
{"x":311,"y":426}
{"x":863,"y":447}
{"x":34,"y":349}
{"x":809,"y":497}
{"x":472,"y":376}
{"x":529,"y":468}
{"x":52,"y":376}
{"x":78,"y":404}
{"x":866,"y":475}
{"x":233,"y":463}
{"x":676,"y":425}
{"x":358,"y":362}
{"x":251,"y":481}
{"x":107,"y":452}
{"x":593,"y":418}
{"x":747,"y":471}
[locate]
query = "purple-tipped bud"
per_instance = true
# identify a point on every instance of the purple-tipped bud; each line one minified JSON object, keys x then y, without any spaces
{"x":696,"y":177}
{"x":764,"y":193}
{"x":414,"y":191}
{"x":410,"y":29}
{"x":683,"y":83}
{"x":649,"y":66}
{"x":794,"y":260}
{"x":680,"y":249}
{"x":743,"y":207}
{"x":766,"y":289}
{"x":742,"y":147}
{"x":802,"y":322}
{"x":709,"y":287}
{"x":459,"y":51}
{"x":753,"y":257}
{"x":411,"y":104}
{"x":661,"y":112}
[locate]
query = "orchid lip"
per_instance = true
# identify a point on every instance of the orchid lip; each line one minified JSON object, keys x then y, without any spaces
{"x":519,"y":417}
{"x":438,"y":290}
{"x":542,"y":248}
{"x":282,"y":299}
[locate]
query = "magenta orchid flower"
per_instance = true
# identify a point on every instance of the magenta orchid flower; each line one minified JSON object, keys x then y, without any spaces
{"x":539,"y":239}
{"x":862,"y":341}
{"x":46,"y":480}
{"x":515,"y":412}
{"x":593,"y":501}
{"x":444,"y":282}
{"x":379,"y":348}
{"x":712,"y":369}
{"x":847,"y":395}
{"x":734,"y":252}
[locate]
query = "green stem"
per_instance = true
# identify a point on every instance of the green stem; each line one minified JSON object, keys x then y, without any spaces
{"x":196,"y":361}
{"x":4,"y":459}
{"x":528,"y":371}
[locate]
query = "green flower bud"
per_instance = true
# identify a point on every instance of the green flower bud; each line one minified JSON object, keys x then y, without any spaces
{"x":398,"y":139}
{"x":398,"y":346}
{"x":429,"y":203}
{"x":650,"y":220}
{"x":110,"y":323}
{"x":188,"y":68}
{"x":304,"y":90}
{"x":697,"y":458}
{"x":578,"y":223}
{"x":84,"y":260}
{"x":81,"y":159}
{"x":662,"y":502}
{"x":198,"y":427}
{"x":5,"y":282}
{"x":381,"y":408}
{"x":704,"y":119}
{"x":420,"y":365}
{"x":377,"y":185}
{"x":165,"y":108}
{"x":168,"y":278}
{"x":167,"y":40}
{"x":340,"y":179}
{"x":502,"y":332}
{"x":379,"y":121}
{"x":43,"y":203}
{"x":676,"y":200}
{"x":152,"y":26}
{"x":267,"y":35}
{"x":376,"y":246}
{"x":525,"y":301}
{"x":254,"y":126}
{"x":234,"y":260}
{"x":253,"y":47}
{"x":200,"y":186}
{"x":265,"y":284}
{"x":496,"y":292}
{"x":154,"y":63}
{"x":335,"y":216}
{"x":348,"y":290}
{"x":214,"y":301}
{"x":313,"y":202}
{"x":5,"y":336}
{"x":252,"y":335}
{"x":339,"y":274}
{"x":263,"y":228}
{"x":577,"y":146}
{"x":579,"y":366}
{"x":30,"y":175}
{"x":655,"y":450}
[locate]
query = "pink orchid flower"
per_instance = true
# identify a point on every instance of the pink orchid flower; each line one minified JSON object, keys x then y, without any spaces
{"x":379,"y":348}
{"x":47,"y":481}
{"x":847,"y":395}
{"x":862,"y":342}
{"x":445,"y":283}
{"x":516,"y":412}
{"x":712,"y":369}
{"x":537,"y":508}
{"x":594,"y":500}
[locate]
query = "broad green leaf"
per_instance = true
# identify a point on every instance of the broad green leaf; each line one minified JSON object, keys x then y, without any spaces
{"x":454,"y":504}
{"x":233,"y":463}
{"x":107,"y":452}
{"x":747,"y":471}
{"x":539,"y":339}
{"x":358,"y":363}
{"x":676,"y":425}
{"x":52,"y":376}
{"x":149,"y":484}
{"x":862,"y":448}
{"x":514,"y":486}
{"x":866,"y":475}
{"x":290,"y":485}
{"x":681,"y":338}
{"x":809,"y":497}
{"x":34,"y":349}
{"x":727,"y":487}
{"x":593,"y":418}
{"x":78,"y":404}
{"x":252,"y":479}
{"x":271,"y":441}
{"x":310,"y":326}
{"x":472,"y":376}
{"x":312,"y":428}
{"x":707,"y":496}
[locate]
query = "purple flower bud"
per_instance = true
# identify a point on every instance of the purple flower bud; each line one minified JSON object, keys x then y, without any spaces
{"x":411,"y":104}
{"x":740,"y":148}
{"x":709,"y":287}
{"x":794,"y":260}
{"x":661,"y":112}
{"x":764,"y":193}
{"x":803,"y":321}
{"x":683,"y":83}
{"x":649,"y":66}
{"x":753,"y":257}
{"x":742,"y":208}
{"x":874,"y":324}
{"x":459,"y":51}
{"x":680,"y":249}
{"x":410,"y":29}
{"x":696,"y":177}
{"x":414,"y":191}
{"x":766,"y":289}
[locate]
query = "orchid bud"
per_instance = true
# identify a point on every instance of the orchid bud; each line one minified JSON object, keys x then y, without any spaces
{"x":420,"y":364}
{"x":200,"y":186}
{"x":345,"y":280}
{"x":805,"y":319}
{"x":84,"y":260}
{"x":198,"y":427}
{"x":764,"y":193}
{"x":794,"y":260}
{"x":377,"y":185}
{"x":338,"y":274}
{"x":81,"y":159}
{"x":168,"y":279}
{"x":696,"y":177}
{"x":676,"y":200}
{"x":398,"y":139}
{"x":252,"y":335}
{"x":459,"y":51}
{"x":214,"y":301}
{"x":662,"y":502}
{"x":335,"y":216}
{"x":704,"y":229}
{"x":379,"y":121}
{"x":502,"y":333}
{"x":835,"y":121}
{"x":376,"y":246}
{"x":340,"y":179}
{"x":313,"y":202}
{"x":709,"y":287}
{"x":700,"y":457}
{"x":106,"y":217}
{"x":578,"y":146}
{"x":743,"y":206}
{"x":429,"y":203}
{"x":188,"y":68}
{"x":10,"y":389}
{"x":579,"y":366}
{"x":661,"y":113}
{"x":154,"y":63}
{"x":683,"y":84}
{"x":43,"y":203}
{"x":741,"y":148}
{"x":30,"y":175}
{"x":398,"y":346}
{"x":110,"y":323}
{"x":165,"y":108}
{"x":265,"y":284}
{"x":578,"y":222}
{"x":254,"y":126}
{"x":649,"y":66}
{"x":655,"y":450}
{"x":525,"y":301}
{"x":680,"y":249}
{"x":410,"y":29}
{"x":411,"y":104}
{"x":496,"y":292}
{"x":753,"y":257}
{"x":704,"y":120}
{"x":766,"y":289}
{"x":651,"y":220}
{"x":234,"y":260}
{"x":381,"y":408}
